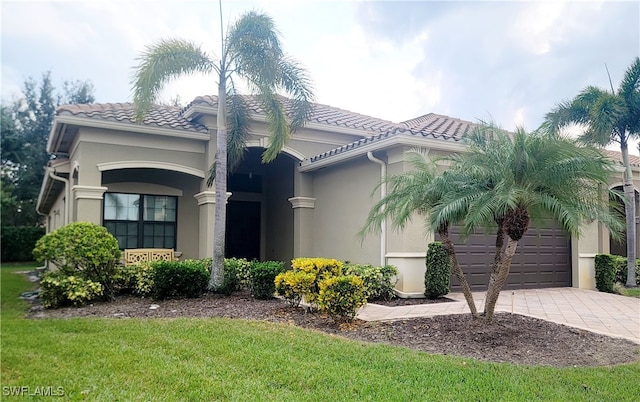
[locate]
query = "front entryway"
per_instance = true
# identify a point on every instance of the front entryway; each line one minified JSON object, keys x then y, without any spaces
{"x":243,"y":230}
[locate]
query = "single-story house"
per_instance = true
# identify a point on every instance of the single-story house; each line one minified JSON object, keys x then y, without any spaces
{"x":146,"y":183}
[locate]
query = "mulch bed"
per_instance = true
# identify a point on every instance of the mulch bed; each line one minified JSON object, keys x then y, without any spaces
{"x":510,"y":338}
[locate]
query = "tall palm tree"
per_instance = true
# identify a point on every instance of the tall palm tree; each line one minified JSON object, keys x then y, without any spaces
{"x":417,"y":192}
{"x":250,"y":51}
{"x":609,"y":117}
{"x":508,"y":180}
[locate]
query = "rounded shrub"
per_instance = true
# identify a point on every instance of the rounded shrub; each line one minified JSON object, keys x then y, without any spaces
{"x":342,"y":296}
{"x":263,"y":275}
{"x":59,"y":289}
{"x":82,"y":249}
{"x":294,"y":285}
{"x":438,"y":273}
{"x":378,"y":281}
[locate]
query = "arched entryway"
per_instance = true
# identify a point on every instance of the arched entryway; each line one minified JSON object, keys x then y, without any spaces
{"x":619,"y":246}
{"x":259,"y":215}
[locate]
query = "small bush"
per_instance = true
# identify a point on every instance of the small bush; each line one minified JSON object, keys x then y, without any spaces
{"x":59,"y":289}
{"x":263,"y":276}
{"x":144,"y":279}
{"x":378,"y":281}
{"x":294,"y":285}
{"x":321,"y":268}
{"x":342,"y":296}
{"x":621,"y":270}
{"x":187,"y":278}
{"x":438,"y":272}
{"x":605,"y":266}
{"x":125,"y":278}
{"x":84,"y":250}
{"x":18,"y":241}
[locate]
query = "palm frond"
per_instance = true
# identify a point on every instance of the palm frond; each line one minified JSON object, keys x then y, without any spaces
{"x":238,"y":128}
{"x":279,"y":130}
{"x":254,"y":49}
{"x":162,"y":62}
{"x":296,"y":82}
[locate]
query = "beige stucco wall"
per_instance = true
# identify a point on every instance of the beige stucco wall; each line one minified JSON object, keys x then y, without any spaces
{"x":341,"y":208}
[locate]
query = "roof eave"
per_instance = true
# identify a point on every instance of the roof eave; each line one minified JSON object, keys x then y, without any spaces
{"x":62,"y":120}
{"x":389,"y":142}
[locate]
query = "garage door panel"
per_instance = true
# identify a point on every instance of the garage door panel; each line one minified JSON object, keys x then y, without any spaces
{"x":542,"y":259}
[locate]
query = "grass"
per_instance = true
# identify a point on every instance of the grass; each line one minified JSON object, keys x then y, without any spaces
{"x":221,"y":359}
{"x":624,"y":291}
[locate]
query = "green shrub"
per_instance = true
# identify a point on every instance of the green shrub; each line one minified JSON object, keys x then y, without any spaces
{"x":378,"y":281}
{"x":84,"y":250}
{"x":263,"y":276}
{"x":125,"y":278}
{"x":438,"y":272}
{"x":187,"y":278}
{"x":59,"y":289}
{"x":605,"y":266}
{"x":294,"y":285}
{"x":18,"y":241}
{"x":144,"y":279}
{"x":342,"y":296}
{"x":621,"y":270}
{"x":321,"y":268}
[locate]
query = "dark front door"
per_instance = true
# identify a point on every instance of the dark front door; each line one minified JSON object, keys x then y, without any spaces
{"x":243,"y":230}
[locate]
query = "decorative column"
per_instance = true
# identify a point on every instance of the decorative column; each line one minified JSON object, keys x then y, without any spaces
{"x":302,"y":225}
{"x":207,"y":220}
{"x":88,"y":204}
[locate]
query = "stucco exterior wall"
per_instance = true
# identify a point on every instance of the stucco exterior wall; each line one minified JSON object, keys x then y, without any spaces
{"x":342,"y":203}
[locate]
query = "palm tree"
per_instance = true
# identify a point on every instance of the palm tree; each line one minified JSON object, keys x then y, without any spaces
{"x":250,"y":51}
{"x":609,"y":117}
{"x":418,"y":191}
{"x":508,"y":180}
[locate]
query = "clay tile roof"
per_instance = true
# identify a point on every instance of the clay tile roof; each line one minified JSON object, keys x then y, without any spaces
{"x":430,"y":125}
{"x":159,"y":115}
{"x":617,"y":156}
{"x":322,"y":114}
{"x":439,"y":126}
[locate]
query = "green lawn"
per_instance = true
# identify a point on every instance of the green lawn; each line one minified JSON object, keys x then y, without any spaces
{"x":218,"y":359}
{"x":630,"y":292}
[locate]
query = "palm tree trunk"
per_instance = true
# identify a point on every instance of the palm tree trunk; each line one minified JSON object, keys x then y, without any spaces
{"x":495,"y":268}
{"x":630,"y":213}
{"x":496,"y":283}
{"x":217,"y":270}
{"x":457,"y":271}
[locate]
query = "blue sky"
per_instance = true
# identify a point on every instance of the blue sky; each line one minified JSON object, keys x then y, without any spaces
{"x":506,"y":61}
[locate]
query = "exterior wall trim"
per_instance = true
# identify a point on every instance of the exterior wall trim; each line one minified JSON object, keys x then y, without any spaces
{"x":151,"y":164}
{"x":88,"y":192}
{"x":207,"y":197}
{"x":264,"y":143}
{"x":302,"y":202}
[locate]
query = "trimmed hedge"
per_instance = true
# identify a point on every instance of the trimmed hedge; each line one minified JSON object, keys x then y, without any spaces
{"x":18,"y":242}
{"x":606,"y":266}
{"x":438,"y":273}
{"x":263,"y":275}
{"x":187,"y":278}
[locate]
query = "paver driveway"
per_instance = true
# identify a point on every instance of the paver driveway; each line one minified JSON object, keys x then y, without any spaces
{"x":604,"y":313}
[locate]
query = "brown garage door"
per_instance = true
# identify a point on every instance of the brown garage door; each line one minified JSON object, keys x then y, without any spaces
{"x":543,"y":259}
